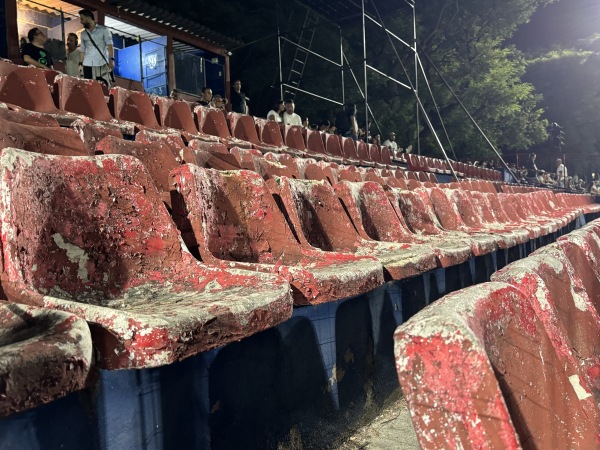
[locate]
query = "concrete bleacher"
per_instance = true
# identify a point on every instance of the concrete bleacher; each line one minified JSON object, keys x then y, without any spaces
{"x":248,"y":274}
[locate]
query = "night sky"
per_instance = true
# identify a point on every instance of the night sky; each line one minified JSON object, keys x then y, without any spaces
{"x":565,"y":24}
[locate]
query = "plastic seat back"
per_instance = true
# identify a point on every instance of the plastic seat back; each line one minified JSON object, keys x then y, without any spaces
{"x":84,"y":97}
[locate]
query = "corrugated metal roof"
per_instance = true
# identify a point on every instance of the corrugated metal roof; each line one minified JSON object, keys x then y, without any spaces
{"x":146,"y":11}
{"x":175,"y":21}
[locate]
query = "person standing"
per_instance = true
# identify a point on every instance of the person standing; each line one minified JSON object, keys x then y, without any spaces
{"x":289,"y":116}
{"x":346,"y":122}
{"x":34,"y":52}
{"x":72,"y":63}
{"x":532,"y":169}
{"x":97,"y":57}
{"x":561,"y":173}
{"x":239,"y":101}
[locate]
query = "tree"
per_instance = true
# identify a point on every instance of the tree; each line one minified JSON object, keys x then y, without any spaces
{"x":465,"y":39}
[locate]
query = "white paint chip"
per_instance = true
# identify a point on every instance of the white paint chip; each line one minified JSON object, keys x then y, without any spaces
{"x":582,"y":394}
{"x":75,"y":254}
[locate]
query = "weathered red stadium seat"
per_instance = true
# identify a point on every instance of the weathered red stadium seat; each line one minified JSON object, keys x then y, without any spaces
{"x":350,"y":151}
{"x":314,"y":143}
{"x":176,"y":114}
{"x":157,"y":157}
{"x":314,"y":171}
{"x":362,"y":148}
{"x":173,"y":141}
{"x":375,"y":153}
{"x":349,"y":175}
{"x":44,"y":354}
{"x":214,"y":122}
{"x":214,"y":155}
{"x":99,"y":244}
{"x":333,"y":146}
{"x":91,"y":132}
{"x":374,"y":218}
{"x":447,"y":212}
{"x":286,"y":160}
{"x":523,"y":210}
{"x":223,"y":215}
{"x":319,"y":220}
{"x":26,"y":87}
{"x":243,"y":127}
{"x":269,"y":132}
{"x":246,"y":157}
{"x":476,"y":214}
{"x":330,"y":169}
{"x":83,"y":97}
{"x":479,"y":370}
{"x":386,"y":156}
{"x":132,"y":106}
{"x":26,"y":117}
{"x":293,"y":138}
{"x":46,"y":140}
{"x":558,"y":297}
{"x":582,"y":248}
{"x":494,"y":210}
{"x":269,"y":169}
{"x":418,"y":212}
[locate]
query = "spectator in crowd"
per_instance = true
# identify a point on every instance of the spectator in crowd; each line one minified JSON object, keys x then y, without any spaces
{"x":376,"y":139}
{"x":97,"y":56}
{"x":176,"y":94}
{"x":34,"y":52}
{"x":275,"y":113}
{"x":324,"y":126}
{"x":346,"y":123}
{"x":219,"y":102}
{"x":206,"y":98}
{"x":561,"y":173}
{"x":72,"y":63}
{"x":391,"y":143}
{"x":362,"y":134}
{"x":532,"y":169}
{"x":306,"y":123}
{"x":595,"y":188}
{"x":289,"y":116}
{"x":239,"y":101}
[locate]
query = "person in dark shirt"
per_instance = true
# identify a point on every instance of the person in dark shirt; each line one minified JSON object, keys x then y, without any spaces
{"x":239,"y":101}
{"x":34,"y":52}
{"x":532,"y":169}
{"x":207,"y":95}
{"x":345,"y":122}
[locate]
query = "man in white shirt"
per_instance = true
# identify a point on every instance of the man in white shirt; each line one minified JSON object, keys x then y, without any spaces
{"x":289,"y":116}
{"x":561,"y":173}
{"x":95,"y":61}
{"x":72,"y":62}
{"x":391,"y":143}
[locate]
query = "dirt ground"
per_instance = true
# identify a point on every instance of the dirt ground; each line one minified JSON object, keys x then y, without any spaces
{"x":392,"y":429}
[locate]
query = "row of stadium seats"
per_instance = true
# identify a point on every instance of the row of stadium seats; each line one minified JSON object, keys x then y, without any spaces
{"x":86,"y":235}
{"x":513,"y":363}
{"x":427,"y":164}
{"x":100,"y":245}
{"x":69,"y":98}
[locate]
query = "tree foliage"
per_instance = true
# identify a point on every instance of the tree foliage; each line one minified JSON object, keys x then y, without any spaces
{"x":466,"y":39}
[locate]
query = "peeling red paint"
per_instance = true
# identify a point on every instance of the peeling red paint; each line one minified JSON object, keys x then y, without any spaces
{"x":116,"y":260}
